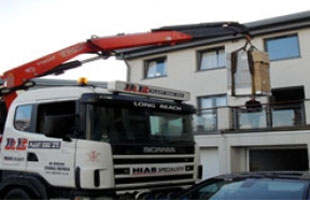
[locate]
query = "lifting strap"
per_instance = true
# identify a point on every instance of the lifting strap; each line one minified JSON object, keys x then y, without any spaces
{"x":234,"y":64}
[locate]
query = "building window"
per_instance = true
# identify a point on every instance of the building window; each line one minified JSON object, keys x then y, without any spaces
{"x":284,"y":47}
{"x":155,"y":68}
{"x":206,"y":118}
{"x":211,"y":59}
{"x":23,"y":118}
{"x":287,"y":109}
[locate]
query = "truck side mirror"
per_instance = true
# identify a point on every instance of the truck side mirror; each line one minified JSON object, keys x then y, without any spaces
{"x":58,"y":126}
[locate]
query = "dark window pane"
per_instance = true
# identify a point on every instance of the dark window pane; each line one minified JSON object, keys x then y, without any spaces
{"x":283,"y":48}
{"x":124,"y":125}
{"x":54,"y":109}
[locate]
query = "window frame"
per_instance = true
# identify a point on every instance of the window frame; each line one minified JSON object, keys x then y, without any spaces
{"x":279,"y":37}
{"x":31,"y":127}
{"x":214,"y":109}
{"x":213,"y":99}
{"x":146,"y":67}
{"x":199,"y":56}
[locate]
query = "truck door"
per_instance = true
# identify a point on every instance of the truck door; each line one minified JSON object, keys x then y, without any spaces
{"x":52,"y":156}
{"x":15,"y":138}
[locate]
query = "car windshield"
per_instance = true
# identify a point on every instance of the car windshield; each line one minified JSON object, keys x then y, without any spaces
{"x":120,"y":125}
{"x":251,"y":188}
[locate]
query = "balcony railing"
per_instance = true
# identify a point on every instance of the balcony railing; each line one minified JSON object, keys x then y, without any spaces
{"x":269,"y":116}
{"x":206,"y":120}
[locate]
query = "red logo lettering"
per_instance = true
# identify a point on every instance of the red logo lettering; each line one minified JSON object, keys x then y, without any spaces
{"x":136,"y":88}
{"x":131,"y":88}
{"x":144,"y":89}
{"x":21,"y":144}
{"x":10,"y":144}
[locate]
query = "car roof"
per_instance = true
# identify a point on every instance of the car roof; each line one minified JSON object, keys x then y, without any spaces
{"x":302,"y":175}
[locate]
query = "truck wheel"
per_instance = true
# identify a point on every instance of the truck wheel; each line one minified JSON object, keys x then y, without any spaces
{"x":17,"y":193}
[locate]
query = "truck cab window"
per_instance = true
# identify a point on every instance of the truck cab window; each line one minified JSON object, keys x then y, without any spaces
{"x":23,"y":117}
{"x":125,"y":125}
{"x":168,"y":125}
{"x":56,"y":109}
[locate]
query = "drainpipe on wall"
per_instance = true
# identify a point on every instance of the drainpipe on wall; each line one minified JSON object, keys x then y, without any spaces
{"x":122,"y":57}
{"x":128,"y":71}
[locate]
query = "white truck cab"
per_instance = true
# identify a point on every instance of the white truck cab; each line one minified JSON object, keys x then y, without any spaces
{"x":94,"y":141}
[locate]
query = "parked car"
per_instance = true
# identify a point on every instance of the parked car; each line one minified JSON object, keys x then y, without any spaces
{"x":252,"y":185}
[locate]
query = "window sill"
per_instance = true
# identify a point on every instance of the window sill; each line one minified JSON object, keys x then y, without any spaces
{"x":207,"y":132}
{"x":283,"y":59}
{"x":212,"y":69}
{"x":155,"y":77}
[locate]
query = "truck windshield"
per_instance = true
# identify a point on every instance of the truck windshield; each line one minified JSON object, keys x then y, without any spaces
{"x":123,"y":125}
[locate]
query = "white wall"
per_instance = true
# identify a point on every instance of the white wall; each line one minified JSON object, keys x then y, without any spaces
{"x":232,"y":148}
{"x":183,"y":75}
{"x":210,"y":161}
{"x":228,"y":151}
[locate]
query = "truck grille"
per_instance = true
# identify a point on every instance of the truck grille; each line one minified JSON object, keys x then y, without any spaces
{"x":145,"y":171}
{"x":135,"y":180}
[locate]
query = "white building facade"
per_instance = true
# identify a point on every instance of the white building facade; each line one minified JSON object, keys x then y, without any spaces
{"x":279,"y":137}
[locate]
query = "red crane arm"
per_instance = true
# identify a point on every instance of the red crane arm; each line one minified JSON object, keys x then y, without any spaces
{"x":18,"y":76}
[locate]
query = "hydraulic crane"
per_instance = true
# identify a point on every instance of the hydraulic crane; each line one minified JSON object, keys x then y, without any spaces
{"x":54,"y":63}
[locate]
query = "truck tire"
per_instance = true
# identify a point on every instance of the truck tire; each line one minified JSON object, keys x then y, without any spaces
{"x":17,"y":193}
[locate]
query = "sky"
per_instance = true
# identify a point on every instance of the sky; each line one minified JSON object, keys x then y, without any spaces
{"x":33,"y":28}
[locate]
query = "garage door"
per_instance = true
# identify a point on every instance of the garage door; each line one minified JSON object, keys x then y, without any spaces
{"x":210,"y":162}
{"x":287,"y":159}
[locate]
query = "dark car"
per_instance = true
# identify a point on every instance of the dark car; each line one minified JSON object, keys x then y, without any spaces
{"x":252,"y":185}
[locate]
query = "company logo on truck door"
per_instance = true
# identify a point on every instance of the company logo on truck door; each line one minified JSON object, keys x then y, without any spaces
{"x":21,"y":144}
{"x":159,"y":150}
{"x":12,"y":144}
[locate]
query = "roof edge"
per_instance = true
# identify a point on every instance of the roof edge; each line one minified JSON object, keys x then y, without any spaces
{"x":256,"y":28}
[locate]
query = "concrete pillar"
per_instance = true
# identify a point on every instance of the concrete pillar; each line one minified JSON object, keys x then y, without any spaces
{"x":238,"y":159}
{"x":307,"y":111}
{"x":224,"y":160}
{"x":224,"y":118}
